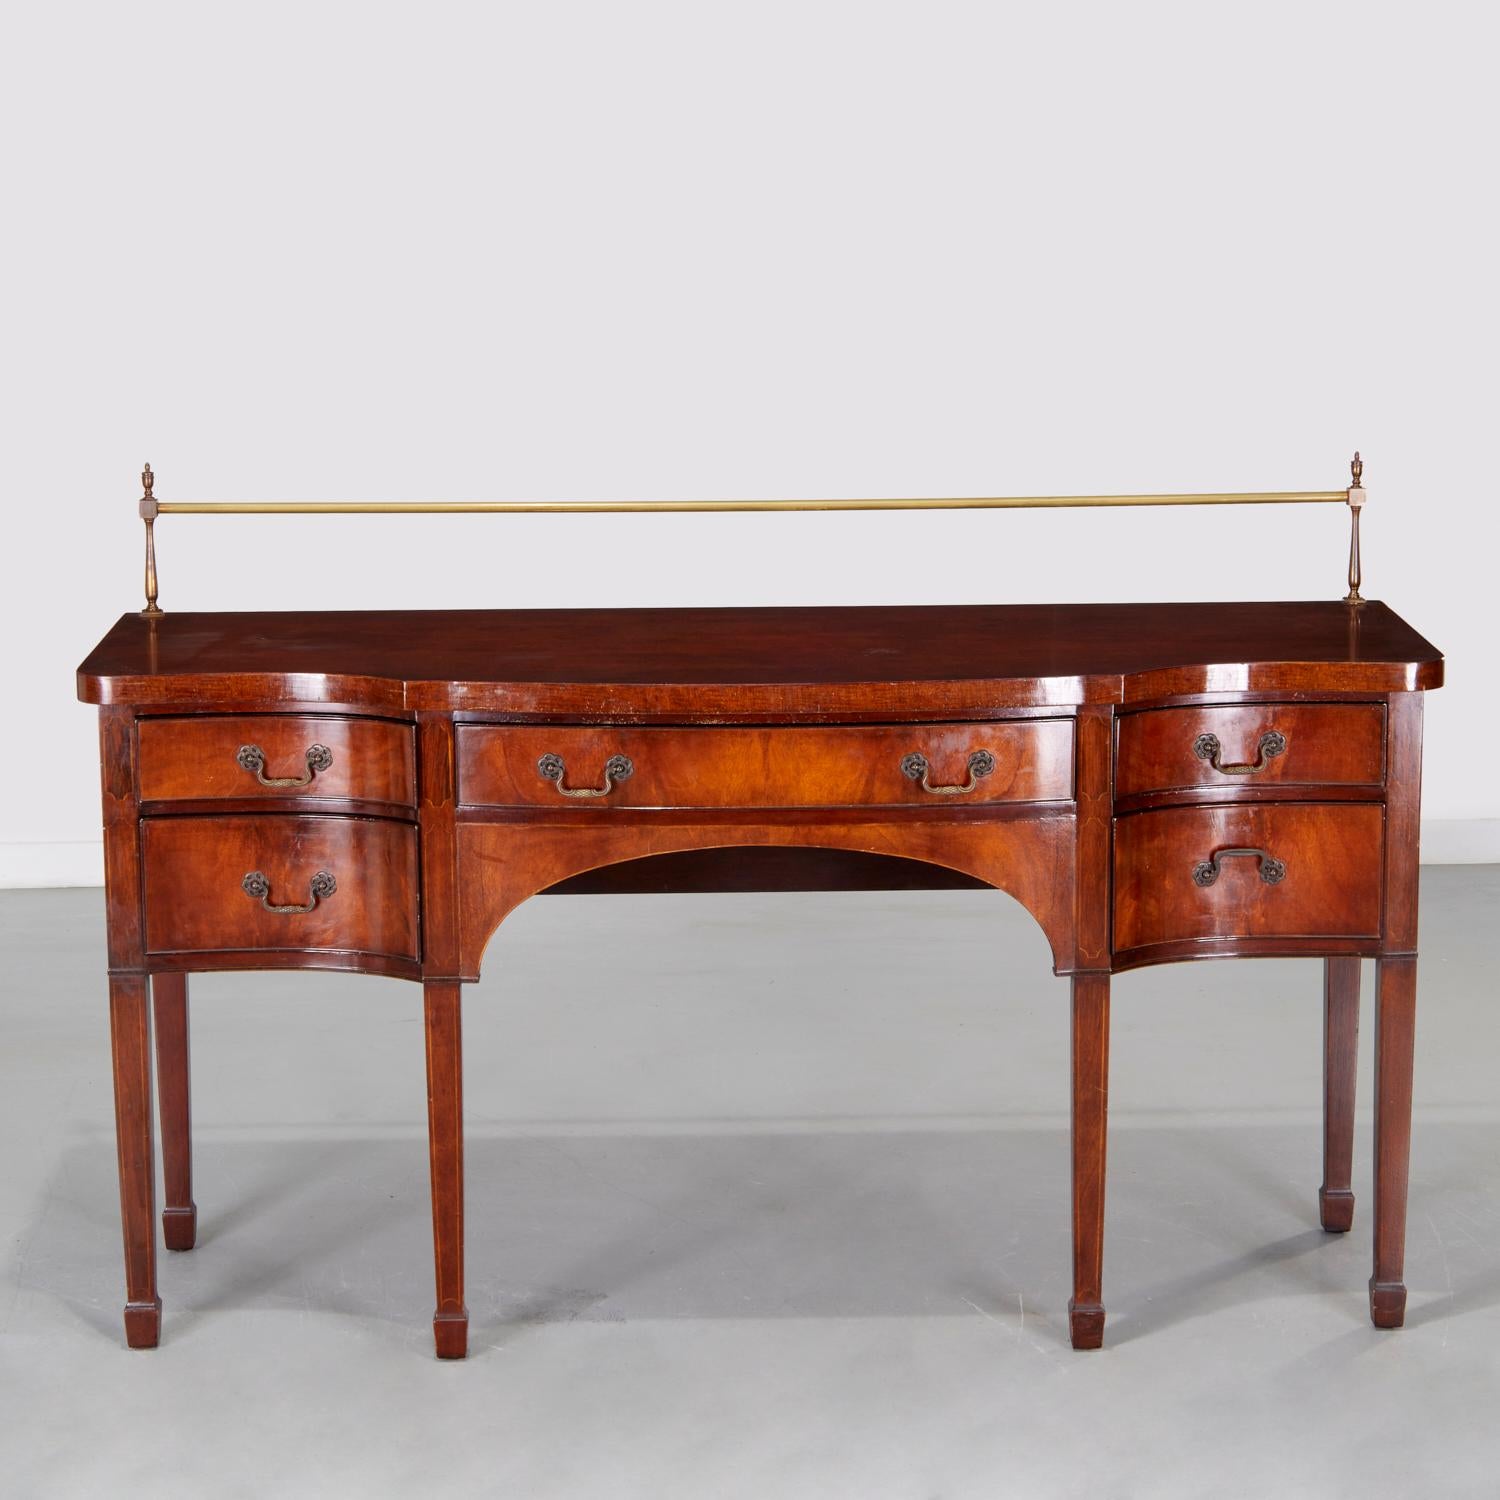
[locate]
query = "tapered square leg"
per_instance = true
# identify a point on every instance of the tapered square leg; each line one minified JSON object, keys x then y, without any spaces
{"x":1090,"y":1120}
{"x":1395,"y":1027}
{"x":130,"y":1047}
{"x":445,"y":1125}
{"x":179,"y":1215}
{"x":1340,"y":1070}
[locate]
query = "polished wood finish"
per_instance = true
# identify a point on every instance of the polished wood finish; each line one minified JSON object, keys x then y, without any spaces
{"x":442,"y":1006}
{"x":737,"y":869}
{"x":507,"y":862}
{"x":1090,"y":1064}
{"x":195,"y":902}
{"x":195,"y":759}
{"x":130,"y":1046}
{"x":766,"y":749}
{"x":1395,"y":1026}
{"x":1340,"y":1057}
{"x":882,"y":663}
{"x":122,"y":844}
{"x":1090,"y":1026}
{"x":833,"y":767}
{"x":1403,"y":822}
{"x":129,"y":1026}
{"x":1395,"y":1012}
{"x":1338,"y":744}
{"x":1093,"y":842}
{"x":1332,"y":854}
{"x":179,"y":1215}
{"x":445,"y":1119}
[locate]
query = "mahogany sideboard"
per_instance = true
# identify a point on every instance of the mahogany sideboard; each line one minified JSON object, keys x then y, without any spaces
{"x":376,"y":791}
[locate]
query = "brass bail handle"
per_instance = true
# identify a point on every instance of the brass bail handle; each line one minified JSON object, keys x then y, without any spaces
{"x":1272,"y":871}
{"x":253,"y":758}
{"x":616,"y":768}
{"x":258,"y":888}
{"x":1272,"y":743}
{"x":916,"y":767}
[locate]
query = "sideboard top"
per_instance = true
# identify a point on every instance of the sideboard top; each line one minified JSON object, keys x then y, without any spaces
{"x":897,"y":661}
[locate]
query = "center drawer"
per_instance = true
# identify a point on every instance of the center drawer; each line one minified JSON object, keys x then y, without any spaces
{"x":572,"y":766}
{"x":274,"y":881}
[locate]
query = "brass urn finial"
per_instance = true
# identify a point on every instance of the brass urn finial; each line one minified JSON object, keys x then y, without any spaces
{"x":148,"y":511}
{"x":1356,"y":497}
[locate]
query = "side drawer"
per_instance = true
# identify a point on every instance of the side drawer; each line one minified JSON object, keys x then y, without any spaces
{"x":201,"y":893}
{"x":1317,"y":873}
{"x":313,"y":756}
{"x":568,"y":766}
{"x":1251,"y":744}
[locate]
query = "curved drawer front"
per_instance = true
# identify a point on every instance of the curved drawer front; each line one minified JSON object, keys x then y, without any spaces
{"x":1306,"y":870}
{"x":1254,"y":744}
{"x":216,"y":757}
{"x":202,"y":894}
{"x":572,"y":766}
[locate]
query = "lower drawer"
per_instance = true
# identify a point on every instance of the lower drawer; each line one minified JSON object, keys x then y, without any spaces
{"x":1285,"y":869}
{"x":280,"y":882}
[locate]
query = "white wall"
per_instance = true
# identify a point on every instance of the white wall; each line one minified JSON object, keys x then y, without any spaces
{"x":328,"y":251}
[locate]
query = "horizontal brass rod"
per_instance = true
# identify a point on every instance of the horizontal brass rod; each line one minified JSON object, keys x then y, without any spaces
{"x":635,"y":507}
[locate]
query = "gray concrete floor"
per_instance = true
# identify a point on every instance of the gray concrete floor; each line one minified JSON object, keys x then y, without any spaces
{"x":767,"y":1197}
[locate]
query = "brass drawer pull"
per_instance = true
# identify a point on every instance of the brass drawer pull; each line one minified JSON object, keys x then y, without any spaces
{"x":616,"y":768}
{"x":916,"y":767}
{"x":1272,"y":871}
{"x":1272,"y":743}
{"x":253,"y":758}
{"x":258,"y":888}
